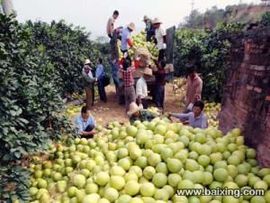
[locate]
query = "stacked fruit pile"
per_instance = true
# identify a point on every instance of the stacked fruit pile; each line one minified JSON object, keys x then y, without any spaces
{"x":212,"y":110}
{"x":139,"y":41}
{"x":73,"y":110}
{"x":148,"y":162}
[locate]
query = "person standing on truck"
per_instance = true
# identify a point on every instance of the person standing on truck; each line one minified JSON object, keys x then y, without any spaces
{"x":149,"y":29}
{"x":126,"y":40}
{"x":160,"y":37}
{"x":110,"y":24}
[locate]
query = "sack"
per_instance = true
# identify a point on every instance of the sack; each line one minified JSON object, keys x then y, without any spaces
{"x":106,"y":80}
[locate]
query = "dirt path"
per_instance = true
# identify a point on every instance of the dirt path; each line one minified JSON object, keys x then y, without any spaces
{"x":112,"y":111}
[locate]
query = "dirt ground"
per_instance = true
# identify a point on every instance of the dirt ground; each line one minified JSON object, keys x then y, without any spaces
{"x":112,"y":111}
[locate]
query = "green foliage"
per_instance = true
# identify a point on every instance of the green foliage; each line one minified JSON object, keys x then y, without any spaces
{"x":30,"y":103}
{"x":207,"y":50}
{"x":242,"y":13}
{"x":14,"y":183}
{"x":266,"y":19}
{"x":209,"y":19}
{"x":66,"y":47}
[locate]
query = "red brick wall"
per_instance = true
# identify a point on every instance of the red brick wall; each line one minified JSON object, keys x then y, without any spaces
{"x":246,"y":99}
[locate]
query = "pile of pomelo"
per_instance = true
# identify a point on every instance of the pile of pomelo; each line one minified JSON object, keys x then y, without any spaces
{"x":147,"y":163}
{"x":212,"y":110}
{"x":139,"y":41}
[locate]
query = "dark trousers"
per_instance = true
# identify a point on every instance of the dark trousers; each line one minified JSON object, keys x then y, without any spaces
{"x":159,"y":95}
{"x":89,"y":128}
{"x":161,"y":55}
{"x":114,"y":68}
{"x":101,"y":90}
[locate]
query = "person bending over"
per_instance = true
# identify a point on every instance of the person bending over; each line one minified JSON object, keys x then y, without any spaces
{"x":196,"y":118}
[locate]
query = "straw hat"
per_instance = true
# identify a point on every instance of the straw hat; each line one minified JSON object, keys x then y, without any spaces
{"x":156,"y":21}
{"x":131,"y":26}
{"x":87,"y":61}
{"x":133,"y":108}
{"x":147,"y":71}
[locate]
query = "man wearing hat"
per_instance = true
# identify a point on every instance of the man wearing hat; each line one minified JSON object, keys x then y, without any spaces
{"x":160,"y":36}
{"x":141,"y":88}
{"x":149,"y":29}
{"x":137,"y":113}
{"x":126,"y":40}
{"x":88,"y":82}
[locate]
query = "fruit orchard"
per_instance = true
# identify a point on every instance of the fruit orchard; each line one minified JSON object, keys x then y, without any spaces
{"x":146,"y":162}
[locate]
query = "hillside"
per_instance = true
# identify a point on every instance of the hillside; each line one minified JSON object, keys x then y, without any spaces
{"x":236,"y":13}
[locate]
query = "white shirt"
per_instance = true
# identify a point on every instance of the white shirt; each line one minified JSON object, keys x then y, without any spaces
{"x":159,"y":34}
{"x":141,"y":88}
{"x":126,"y":35}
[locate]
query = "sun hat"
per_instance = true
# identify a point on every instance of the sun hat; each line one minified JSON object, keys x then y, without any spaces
{"x":133,"y":108}
{"x":131,"y":26}
{"x":87,"y":61}
{"x":156,"y":21}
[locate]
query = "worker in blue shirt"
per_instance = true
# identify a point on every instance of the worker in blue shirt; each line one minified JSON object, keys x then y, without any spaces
{"x":196,"y":118}
{"x":85,"y":123}
{"x":100,"y":74}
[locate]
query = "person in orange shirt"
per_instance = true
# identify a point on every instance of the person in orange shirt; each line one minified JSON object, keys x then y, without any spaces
{"x":194,"y":87}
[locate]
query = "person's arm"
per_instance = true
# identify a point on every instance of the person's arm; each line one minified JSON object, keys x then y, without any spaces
{"x":179,"y":115}
{"x":91,"y":77}
{"x":204,"y":123}
{"x":79,"y":125}
{"x":130,"y":42}
{"x":92,"y":132}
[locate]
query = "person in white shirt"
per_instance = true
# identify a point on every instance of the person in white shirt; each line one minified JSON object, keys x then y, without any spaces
{"x":160,"y":36}
{"x":141,"y":88}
